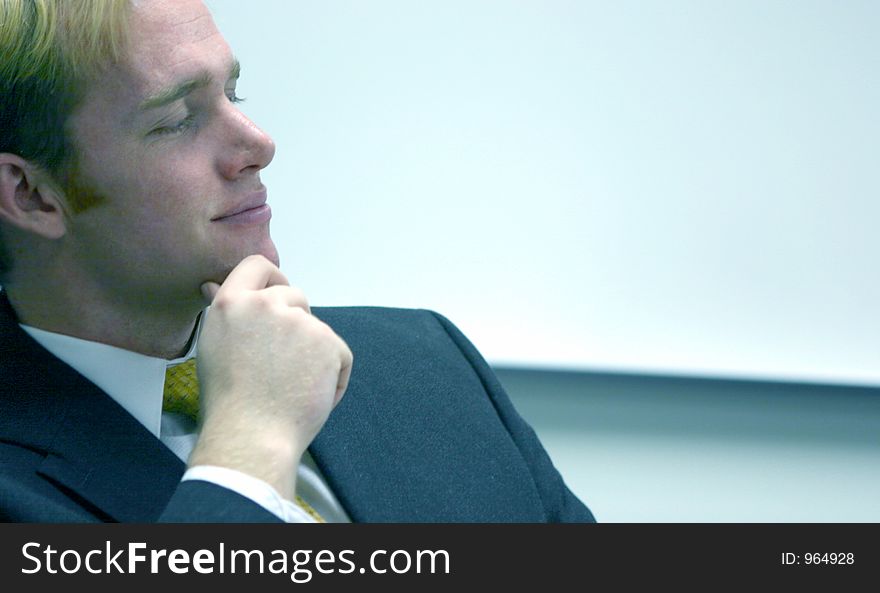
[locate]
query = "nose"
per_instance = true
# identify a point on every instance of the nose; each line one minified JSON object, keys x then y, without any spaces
{"x":247,"y":148}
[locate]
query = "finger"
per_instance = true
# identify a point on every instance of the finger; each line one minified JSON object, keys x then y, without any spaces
{"x":254,"y":272}
{"x":209,"y":291}
{"x":344,"y":375}
{"x":290,"y":296}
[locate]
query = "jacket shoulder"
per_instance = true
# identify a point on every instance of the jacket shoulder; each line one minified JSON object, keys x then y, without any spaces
{"x":374,"y":316}
{"x":385,"y":326}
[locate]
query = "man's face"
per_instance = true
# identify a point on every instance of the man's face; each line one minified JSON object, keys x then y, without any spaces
{"x":164,"y":151}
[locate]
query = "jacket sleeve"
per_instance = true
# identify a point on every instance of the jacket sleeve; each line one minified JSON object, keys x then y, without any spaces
{"x":561,"y":505}
{"x":197,"y":501}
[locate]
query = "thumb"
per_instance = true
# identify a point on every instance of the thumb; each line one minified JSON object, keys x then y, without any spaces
{"x":209,"y":291}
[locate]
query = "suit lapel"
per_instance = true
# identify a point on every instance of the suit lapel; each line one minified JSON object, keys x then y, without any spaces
{"x":415,"y":438}
{"x":92,"y":446}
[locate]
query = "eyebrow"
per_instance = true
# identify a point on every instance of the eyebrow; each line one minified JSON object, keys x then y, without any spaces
{"x":179,"y":91}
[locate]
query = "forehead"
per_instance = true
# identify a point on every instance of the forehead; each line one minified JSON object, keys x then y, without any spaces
{"x":170,"y":40}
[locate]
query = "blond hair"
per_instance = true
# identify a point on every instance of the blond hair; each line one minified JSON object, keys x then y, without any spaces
{"x":49,"y":51}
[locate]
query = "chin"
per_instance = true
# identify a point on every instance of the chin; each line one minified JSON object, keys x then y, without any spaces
{"x":267,"y":250}
{"x":224,"y":265}
{"x":271,"y":253}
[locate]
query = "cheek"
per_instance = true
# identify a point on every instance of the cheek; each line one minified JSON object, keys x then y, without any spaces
{"x":167,"y":189}
{"x":178,"y":186}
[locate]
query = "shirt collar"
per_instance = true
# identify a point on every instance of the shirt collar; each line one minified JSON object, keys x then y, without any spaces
{"x":135,"y":381}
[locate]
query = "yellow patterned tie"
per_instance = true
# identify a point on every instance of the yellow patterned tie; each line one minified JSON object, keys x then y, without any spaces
{"x":182,"y":389}
{"x":182,"y":396}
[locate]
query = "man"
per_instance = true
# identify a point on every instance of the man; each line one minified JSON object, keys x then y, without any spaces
{"x":130,"y":198}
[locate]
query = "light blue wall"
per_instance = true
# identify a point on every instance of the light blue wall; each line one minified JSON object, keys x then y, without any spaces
{"x":682,"y":186}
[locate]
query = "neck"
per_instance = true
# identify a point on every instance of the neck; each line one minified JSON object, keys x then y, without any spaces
{"x":138,"y":325}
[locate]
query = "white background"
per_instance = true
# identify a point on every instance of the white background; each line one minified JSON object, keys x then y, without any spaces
{"x":680,"y":186}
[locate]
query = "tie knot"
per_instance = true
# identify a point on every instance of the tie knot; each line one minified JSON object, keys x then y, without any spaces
{"x":182,"y":389}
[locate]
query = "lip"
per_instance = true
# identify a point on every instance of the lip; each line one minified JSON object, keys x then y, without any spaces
{"x":253,"y":210}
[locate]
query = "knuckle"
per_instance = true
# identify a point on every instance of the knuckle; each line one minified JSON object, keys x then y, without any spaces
{"x":299,"y":297}
{"x":300,"y":314}
{"x":264,"y":304}
{"x":222,"y":302}
{"x":297,"y":317}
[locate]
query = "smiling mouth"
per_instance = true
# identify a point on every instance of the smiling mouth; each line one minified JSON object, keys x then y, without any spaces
{"x":257,"y":214}
{"x":253,"y":209}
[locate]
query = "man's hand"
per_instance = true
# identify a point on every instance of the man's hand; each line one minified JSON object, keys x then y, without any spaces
{"x":269,"y":375}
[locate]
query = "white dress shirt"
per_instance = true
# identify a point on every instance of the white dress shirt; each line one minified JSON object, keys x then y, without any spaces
{"x":137,"y":382}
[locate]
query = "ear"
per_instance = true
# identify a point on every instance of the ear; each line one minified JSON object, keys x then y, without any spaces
{"x":28,"y":198}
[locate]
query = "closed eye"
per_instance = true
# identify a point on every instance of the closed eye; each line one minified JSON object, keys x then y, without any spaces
{"x":182,"y":126}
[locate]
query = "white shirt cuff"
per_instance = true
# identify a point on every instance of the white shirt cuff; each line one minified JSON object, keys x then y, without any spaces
{"x":252,"y":488}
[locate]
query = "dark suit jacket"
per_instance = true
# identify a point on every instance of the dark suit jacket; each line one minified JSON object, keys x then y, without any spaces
{"x":425,"y":433}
